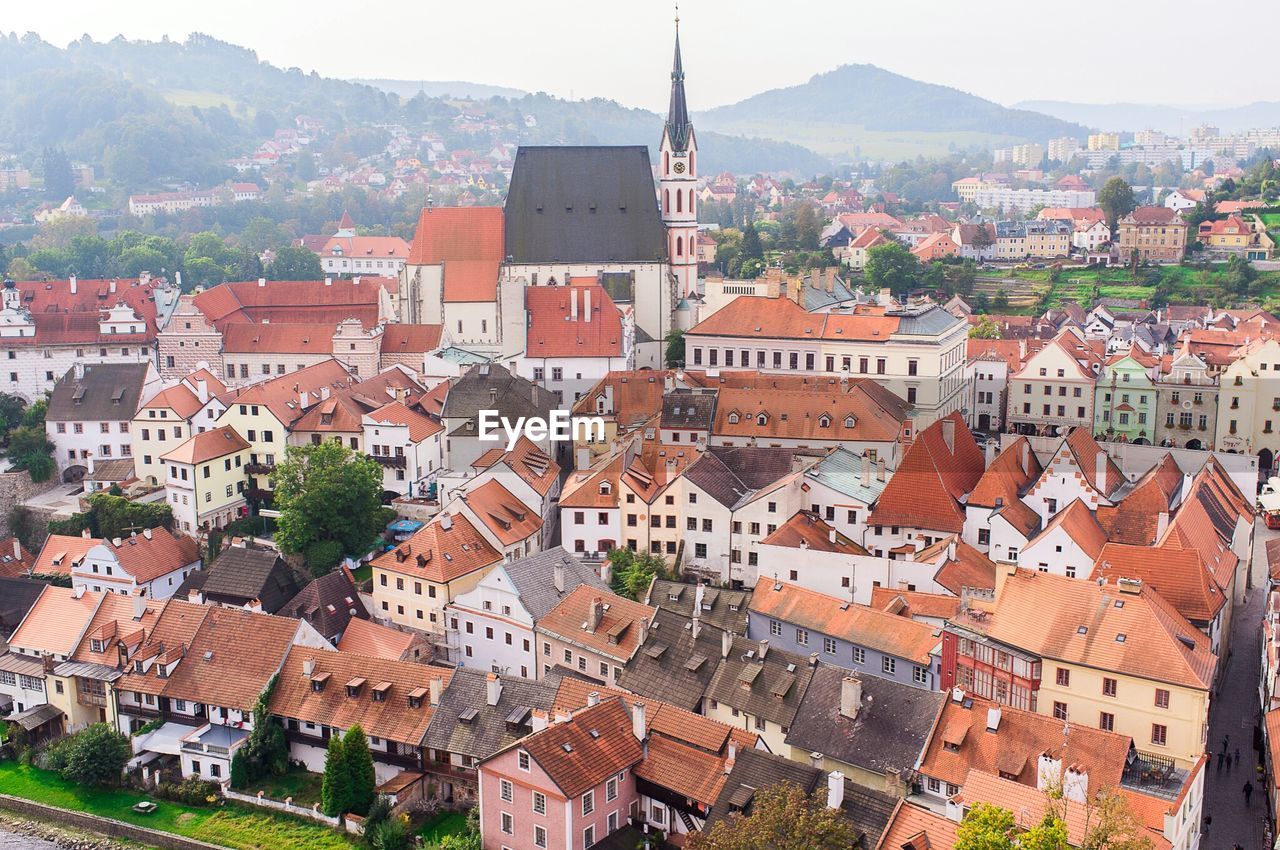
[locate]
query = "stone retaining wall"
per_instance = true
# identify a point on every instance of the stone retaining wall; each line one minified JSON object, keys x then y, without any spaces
{"x":103,"y":826}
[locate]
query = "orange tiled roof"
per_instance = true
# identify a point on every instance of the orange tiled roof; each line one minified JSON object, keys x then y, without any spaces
{"x":916,"y":603}
{"x":221,"y":667}
{"x":1136,"y":518}
{"x":420,"y":426}
{"x":365,"y":637}
{"x":1085,"y":449}
{"x":169,"y":638}
{"x":618,"y":633}
{"x":583,"y":751}
{"x":410,"y":339}
{"x":962,"y":741}
{"x":286,"y":301}
{"x":916,"y":828}
{"x":146,"y":559}
{"x":115,"y":622}
{"x":446,"y":234}
{"x":1012,"y":471}
{"x":806,"y":530}
{"x":510,"y":519}
{"x":207,"y":445}
{"x":441,"y":554}
{"x":969,"y":568}
{"x":56,"y":621}
{"x":15,"y":559}
{"x":1085,"y":625}
{"x":800,"y":414}
{"x":1175,"y":573}
{"x":273,"y":338}
{"x":583,"y":489}
{"x":1078,"y":522}
{"x":860,"y":624}
{"x":925,"y":490}
{"x":281,"y":395}
{"x":61,"y":552}
{"x":532,"y":465}
{"x":637,"y":395}
{"x":391,"y":717}
{"x":561,"y":324}
{"x":180,"y":399}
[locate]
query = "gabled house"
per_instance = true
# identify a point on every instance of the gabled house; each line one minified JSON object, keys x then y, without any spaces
{"x":526,"y":472}
{"x":1125,"y":400}
{"x":1079,"y":469}
{"x":90,"y":411}
{"x":997,"y":521}
{"x":52,"y":629}
{"x":1054,"y":389}
{"x":204,"y":479}
{"x":590,"y":507}
{"x":319,"y":694}
{"x":407,"y":443}
{"x":154,"y":563}
{"x":329,"y":603}
{"x":508,"y":524}
{"x":842,"y":487}
{"x":375,"y":640}
{"x":491,"y":627}
{"x":593,"y":632}
{"x":1067,"y":545}
{"x":168,"y":418}
{"x":242,"y":577}
{"x":757,"y":688}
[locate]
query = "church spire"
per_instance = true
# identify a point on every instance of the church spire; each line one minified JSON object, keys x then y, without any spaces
{"x":678,"y":112}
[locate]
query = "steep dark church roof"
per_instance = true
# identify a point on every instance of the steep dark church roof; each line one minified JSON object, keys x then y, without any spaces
{"x":679,"y":129}
{"x":583,"y":204}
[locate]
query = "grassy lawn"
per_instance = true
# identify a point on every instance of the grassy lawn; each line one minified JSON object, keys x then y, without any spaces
{"x":302,"y":785}
{"x":239,"y":827}
{"x":1189,"y":285}
{"x":445,"y":823}
{"x":363,"y":574}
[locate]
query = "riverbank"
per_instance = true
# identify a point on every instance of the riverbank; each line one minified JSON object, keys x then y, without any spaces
{"x":42,"y":833}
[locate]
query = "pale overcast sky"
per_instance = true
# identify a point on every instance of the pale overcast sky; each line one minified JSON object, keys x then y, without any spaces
{"x":1005,"y":51}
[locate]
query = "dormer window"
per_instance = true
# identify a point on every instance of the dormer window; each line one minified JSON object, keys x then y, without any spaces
{"x":848,"y":421}
{"x":733,"y":418}
{"x":824,"y":421}
{"x":380,"y":692}
{"x":605,"y":488}
{"x":354,"y":686}
{"x":96,"y":645}
{"x":762,"y":419}
{"x":318,"y":682}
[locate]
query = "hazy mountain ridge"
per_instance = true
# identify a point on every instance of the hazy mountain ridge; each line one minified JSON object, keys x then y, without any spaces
{"x":442,"y":88}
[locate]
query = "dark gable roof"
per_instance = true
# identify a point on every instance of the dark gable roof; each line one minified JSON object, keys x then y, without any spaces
{"x":327,"y":604}
{"x":750,"y":685}
{"x":489,"y":729}
{"x":583,"y":204}
{"x":106,"y":391}
{"x":534,"y":579}
{"x":17,"y":595}
{"x":731,"y":474}
{"x":688,"y":409}
{"x":489,"y":386}
{"x":889,"y":733}
{"x":671,"y":665}
{"x":754,"y":770}
{"x":721,"y":607}
{"x":241,"y":574}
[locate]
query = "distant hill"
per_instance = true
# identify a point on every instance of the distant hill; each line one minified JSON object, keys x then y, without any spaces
{"x":406,"y":89}
{"x":1170,"y":119}
{"x":864,"y":111}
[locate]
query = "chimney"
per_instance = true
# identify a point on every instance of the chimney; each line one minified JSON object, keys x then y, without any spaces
{"x":117,"y":542}
{"x":989,"y":452}
{"x":328,"y":281}
{"x":493,"y":689}
{"x":202,"y":390}
{"x":831,"y":536}
{"x":1101,"y":473}
{"x":726,"y":643}
{"x":835,"y":789}
{"x":866,"y":470}
{"x":139,"y":606}
{"x":436,"y":687}
{"x":355,"y":281}
{"x":77,"y":370}
{"x":557,"y":577}
{"x":993,"y":719}
{"x":606,"y":571}
{"x":302,"y":399}
{"x":880,"y":470}
{"x":732,"y":756}
{"x":949,"y":434}
{"x":111,"y":287}
{"x":538,"y":719}
{"x":644,"y":629}
{"x":586,"y":306}
{"x":77,"y":591}
{"x":1162,"y":524}
{"x":85,"y":533}
{"x":17,"y":549}
{"x":850,"y":696}
{"x":146,"y":532}
{"x":195,"y":596}
{"x":637,"y":720}
{"x":595,"y":614}
{"x":815,"y":759}
{"x":951,"y":549}
{"x":309,"y":667}
{"x":1026,"y":457}
{"x":764,"y":648}
{"x":957,"y":694}
{"x":573,"y":304}
{"x":72,"y":282}
{"x":262,"y":281}
{"x":696,"y":628}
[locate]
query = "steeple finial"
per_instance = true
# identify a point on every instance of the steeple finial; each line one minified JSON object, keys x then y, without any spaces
{"x":678,"y":112}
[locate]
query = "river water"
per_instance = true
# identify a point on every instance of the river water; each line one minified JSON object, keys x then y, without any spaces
{"x":10,"y":841}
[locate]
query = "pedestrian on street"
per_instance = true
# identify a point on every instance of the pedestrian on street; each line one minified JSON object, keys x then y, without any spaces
{"x":1225,"y":740}
{"x":1237,"y":755}
{"x":1221,"y":756}
{"x":1208,"y":822}
{"x":1248,"y":792}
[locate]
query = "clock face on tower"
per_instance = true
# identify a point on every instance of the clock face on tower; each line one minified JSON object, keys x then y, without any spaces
{"x":678,"y":168}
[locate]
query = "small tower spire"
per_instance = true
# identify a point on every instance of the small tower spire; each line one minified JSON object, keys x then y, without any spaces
{"x":678,"y":111}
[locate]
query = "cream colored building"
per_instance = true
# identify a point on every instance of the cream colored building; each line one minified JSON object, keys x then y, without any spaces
{"x":168,"y":419}
{"x":1249,"y":404}
{"x":1054,"y":389}
{"x":205,"y":479}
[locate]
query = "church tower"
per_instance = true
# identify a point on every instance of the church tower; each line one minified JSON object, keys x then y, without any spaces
{"x":679,"y":184}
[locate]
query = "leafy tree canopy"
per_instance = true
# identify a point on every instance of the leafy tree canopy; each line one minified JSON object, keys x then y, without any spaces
{"x":782,"y":817}
{"x":327,"y":493}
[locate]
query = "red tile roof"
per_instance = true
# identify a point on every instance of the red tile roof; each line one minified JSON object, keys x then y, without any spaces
{"x":420,"y":426}
{"x":915,"y":603}
{"x":300,"y":338}
{"x":446,"y":234}
{"x":532,"y":465}
{"x":509,"y":519}
{"x":618,"y":632}
{"x":56,"y":621}
{"x":61,"y":552}
{"x":806,"y":530}
{"x":560,"y":324}
{"x":410,"y":339}
{"x":1009,"y":474}
{"x":637,"y":395}
{"x":366,"y":247}
{"x":1136,"y":518}
{"x":860,"y":624}
{"x":65,"y":318}
{"x":207,"y":445}
{"x":1080,"y":525}
{"x":934,"y":474}
{"x":15,"y":559}
{"x":1175,"y":573}
{"x":365,"y":637}
{"x":147,"y":559}
{"x":281,"y":395}
{"x":221,"y":668}
{"x":1085,"y":449}
{"x":800,"y":414}
{"x":580,"y":753}
{"x":293,"y":301}
{"x":441,"y":554}
{"x":969,"y":568}
{"x":583,"y":489}
{"x":915,"y":828}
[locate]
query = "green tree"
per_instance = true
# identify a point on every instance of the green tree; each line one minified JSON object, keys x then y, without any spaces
{"x":59,"y":180}
{"x":96,"y":756}
{"x":1116,"y":200}
{"x":355,"y":748}
{"x":890,"y":265}
{"x":751,"y":248}
{"x":986,"y":328}
{"x":30,"y":449}
{"x":327,"y":492}
{"x":11,"y":408}
{"x":239,"y":772}
{"x":632,"y":571}
{"x":675,"y":349}
{"x":266,"y":751}
{"x":468,"y":839}
{"x":782,"y":817}
{"x":962,"y":276}
{"x":1001,"y":302}
{"x":986,"y":827}
{"x":294,"y":262}
{"x":335,"y":787}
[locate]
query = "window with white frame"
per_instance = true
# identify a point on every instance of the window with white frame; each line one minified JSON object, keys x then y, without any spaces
{"x":588,"y":803}
{"x":507,"y":791}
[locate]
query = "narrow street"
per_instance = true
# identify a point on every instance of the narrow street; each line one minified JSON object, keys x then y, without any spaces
{"x":1233,"y":714}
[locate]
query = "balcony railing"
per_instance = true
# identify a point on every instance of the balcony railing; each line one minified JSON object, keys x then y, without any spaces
{"x":258,"y":468}
{"x":208,"y":749}
{"x":397,"y":461}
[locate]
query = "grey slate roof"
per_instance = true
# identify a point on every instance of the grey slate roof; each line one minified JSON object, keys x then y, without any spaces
{"x":17,"y":595}
{"x":241,"y":574}
{"x":732,"y":474}
{"x":929,"y":322}
{"x":327,"y":603}
{"x":721,"y":608}
{"x":489,"y":386}
{"x":688,"y":409}
{"x":772,"y":689}
{"x":754,"y":770}
{"x":672,"y":665}
{"x":534,"y":579}
{"x":842,"y":471}
{"x":583,"y":204}
{"x":489,"y":730}
{"x":105,"y":392}
{"x":889,"y":733}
